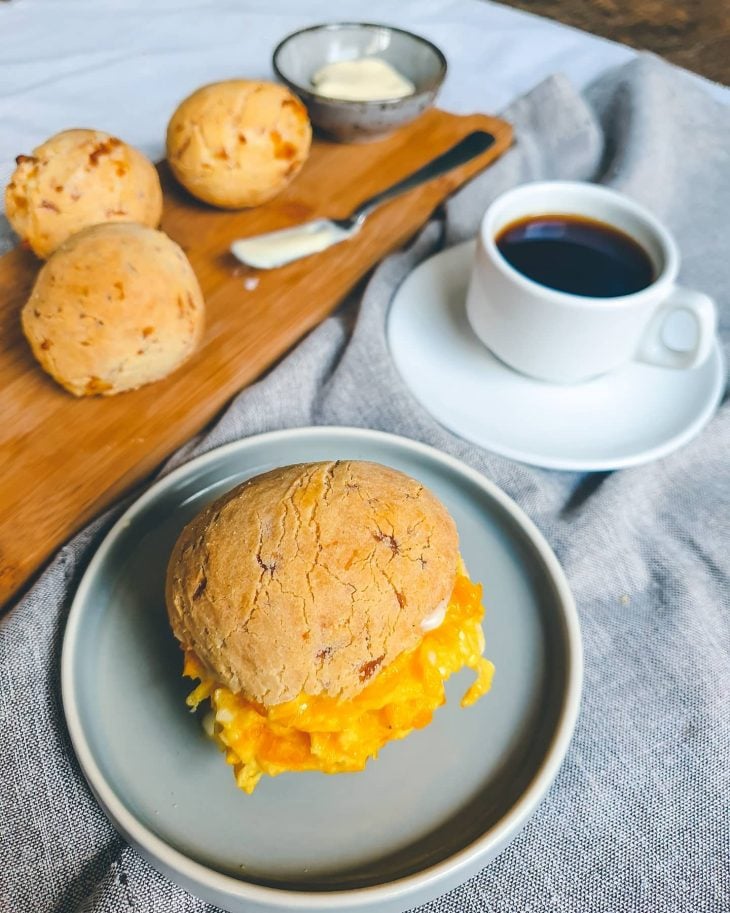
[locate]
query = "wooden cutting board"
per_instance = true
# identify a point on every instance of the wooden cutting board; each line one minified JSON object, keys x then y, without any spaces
{"x":62,"y":460}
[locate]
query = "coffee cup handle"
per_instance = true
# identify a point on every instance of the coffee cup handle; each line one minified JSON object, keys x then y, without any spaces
{"x":654,"y":349}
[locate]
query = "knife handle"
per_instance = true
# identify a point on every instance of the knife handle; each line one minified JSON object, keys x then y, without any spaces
{"x":469,"y":147}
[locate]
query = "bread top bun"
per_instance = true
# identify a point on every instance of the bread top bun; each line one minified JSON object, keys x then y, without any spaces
{"x":115,"y":307}
{"x":79,"y":178}
{"x":238,"y":143}
{"x":311,"y":578}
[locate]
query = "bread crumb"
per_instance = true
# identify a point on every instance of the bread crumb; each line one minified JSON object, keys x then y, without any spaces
{"x":625,"y":599}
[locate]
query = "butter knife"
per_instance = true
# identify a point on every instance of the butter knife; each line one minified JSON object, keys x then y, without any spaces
{"x":276,"y":248}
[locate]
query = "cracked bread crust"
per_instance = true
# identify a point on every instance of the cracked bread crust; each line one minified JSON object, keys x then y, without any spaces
{"x":115,"y":307}
{"x":239,"y":142}
{"x":79,"y":178}
{"x":311,"y":578}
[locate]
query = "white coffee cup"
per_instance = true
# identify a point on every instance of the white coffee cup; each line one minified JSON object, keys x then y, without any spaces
{"x":562,"y":337}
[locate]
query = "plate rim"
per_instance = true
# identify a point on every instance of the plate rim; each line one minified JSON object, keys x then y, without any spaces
{"x":571,"y":464}
{"x":483,"y":848}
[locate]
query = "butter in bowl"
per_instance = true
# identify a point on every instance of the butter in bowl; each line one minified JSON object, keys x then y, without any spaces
{"x":360,"y":81}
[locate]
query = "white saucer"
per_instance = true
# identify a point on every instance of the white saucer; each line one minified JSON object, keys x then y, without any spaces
{"x":631,"y":416}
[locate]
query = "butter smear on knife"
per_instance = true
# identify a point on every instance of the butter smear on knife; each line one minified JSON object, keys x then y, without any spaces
{"x":279,"y":247}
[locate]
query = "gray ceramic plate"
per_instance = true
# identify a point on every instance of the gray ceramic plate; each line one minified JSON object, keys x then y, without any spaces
{"x":430,"y":811}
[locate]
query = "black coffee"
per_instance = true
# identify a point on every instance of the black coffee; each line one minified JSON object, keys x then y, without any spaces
{"x":576,"y":255}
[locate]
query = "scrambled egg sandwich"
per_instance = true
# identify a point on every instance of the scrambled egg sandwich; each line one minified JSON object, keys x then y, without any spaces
{"x":321,"y":607}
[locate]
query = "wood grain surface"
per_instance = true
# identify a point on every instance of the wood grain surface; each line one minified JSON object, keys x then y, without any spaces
{"x":63,"y":460}
{"x":694,"y":34}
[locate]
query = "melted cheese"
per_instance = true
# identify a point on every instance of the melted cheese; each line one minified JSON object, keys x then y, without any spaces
{"x":333,"y":735}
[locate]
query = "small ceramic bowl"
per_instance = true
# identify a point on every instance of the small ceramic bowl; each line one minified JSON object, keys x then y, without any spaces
{"x":298,"y":57}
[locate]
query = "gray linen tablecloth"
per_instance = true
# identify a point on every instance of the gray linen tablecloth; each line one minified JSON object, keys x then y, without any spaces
{"x":639,"y":816}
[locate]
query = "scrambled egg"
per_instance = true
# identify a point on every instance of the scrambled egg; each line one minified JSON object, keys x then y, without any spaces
{"x":333,"y":735}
